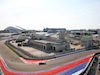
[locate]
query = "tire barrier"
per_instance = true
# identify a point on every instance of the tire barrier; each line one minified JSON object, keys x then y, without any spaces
{"x":52,"y":71}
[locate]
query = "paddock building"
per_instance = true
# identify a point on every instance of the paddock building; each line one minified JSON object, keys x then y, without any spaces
{"x":48,"y":45}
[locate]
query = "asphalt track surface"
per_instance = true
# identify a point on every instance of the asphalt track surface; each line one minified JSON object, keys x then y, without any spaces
{"x":15,"y":63}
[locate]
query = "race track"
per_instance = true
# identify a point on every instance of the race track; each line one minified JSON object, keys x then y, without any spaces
{"x":14,"y":62}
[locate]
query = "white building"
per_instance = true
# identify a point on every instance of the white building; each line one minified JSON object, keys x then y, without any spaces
{"x":96,"y":37}
{"x":47,"y":45}
{"x":49,"y":42}
{"x":86,"y":41}
{"x":98,"y":31}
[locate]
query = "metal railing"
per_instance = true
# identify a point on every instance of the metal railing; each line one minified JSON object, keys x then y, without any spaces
{"x":89,"y":64}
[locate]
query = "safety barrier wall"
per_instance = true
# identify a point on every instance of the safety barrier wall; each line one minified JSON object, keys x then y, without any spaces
{"x":87,"y":68}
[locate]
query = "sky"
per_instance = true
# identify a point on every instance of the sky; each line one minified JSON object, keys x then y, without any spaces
{"x":39,"y":14}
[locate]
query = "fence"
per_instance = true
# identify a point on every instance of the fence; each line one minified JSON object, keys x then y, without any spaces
{"x":87,"y":68}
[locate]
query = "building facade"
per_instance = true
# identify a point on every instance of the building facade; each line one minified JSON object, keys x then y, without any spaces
{"x":86,"y":41}
{"x":54,"y":30}
{"x":48,"y":45}
{"x":57,"y":43}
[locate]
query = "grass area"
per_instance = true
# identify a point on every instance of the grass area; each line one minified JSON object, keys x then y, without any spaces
{"x":12,"y":49}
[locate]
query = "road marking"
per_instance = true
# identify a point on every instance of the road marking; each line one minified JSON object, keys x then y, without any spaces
{"x":52,"y":71}
{"x":78,"y":72}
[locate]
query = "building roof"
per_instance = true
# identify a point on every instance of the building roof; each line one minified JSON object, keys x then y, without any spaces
{"x":96,"y":35}
{"x":45,"y":41}
{"x":23,"y":37}
{"x":43,"y":34}
{"x":54,"y":36}
{"x":86,"y":36}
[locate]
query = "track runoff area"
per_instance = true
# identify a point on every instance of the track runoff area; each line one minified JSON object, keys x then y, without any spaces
{"x":70,"y":68}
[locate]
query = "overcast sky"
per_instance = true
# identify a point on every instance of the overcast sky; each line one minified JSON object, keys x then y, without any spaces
{"x":39,"y":14}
